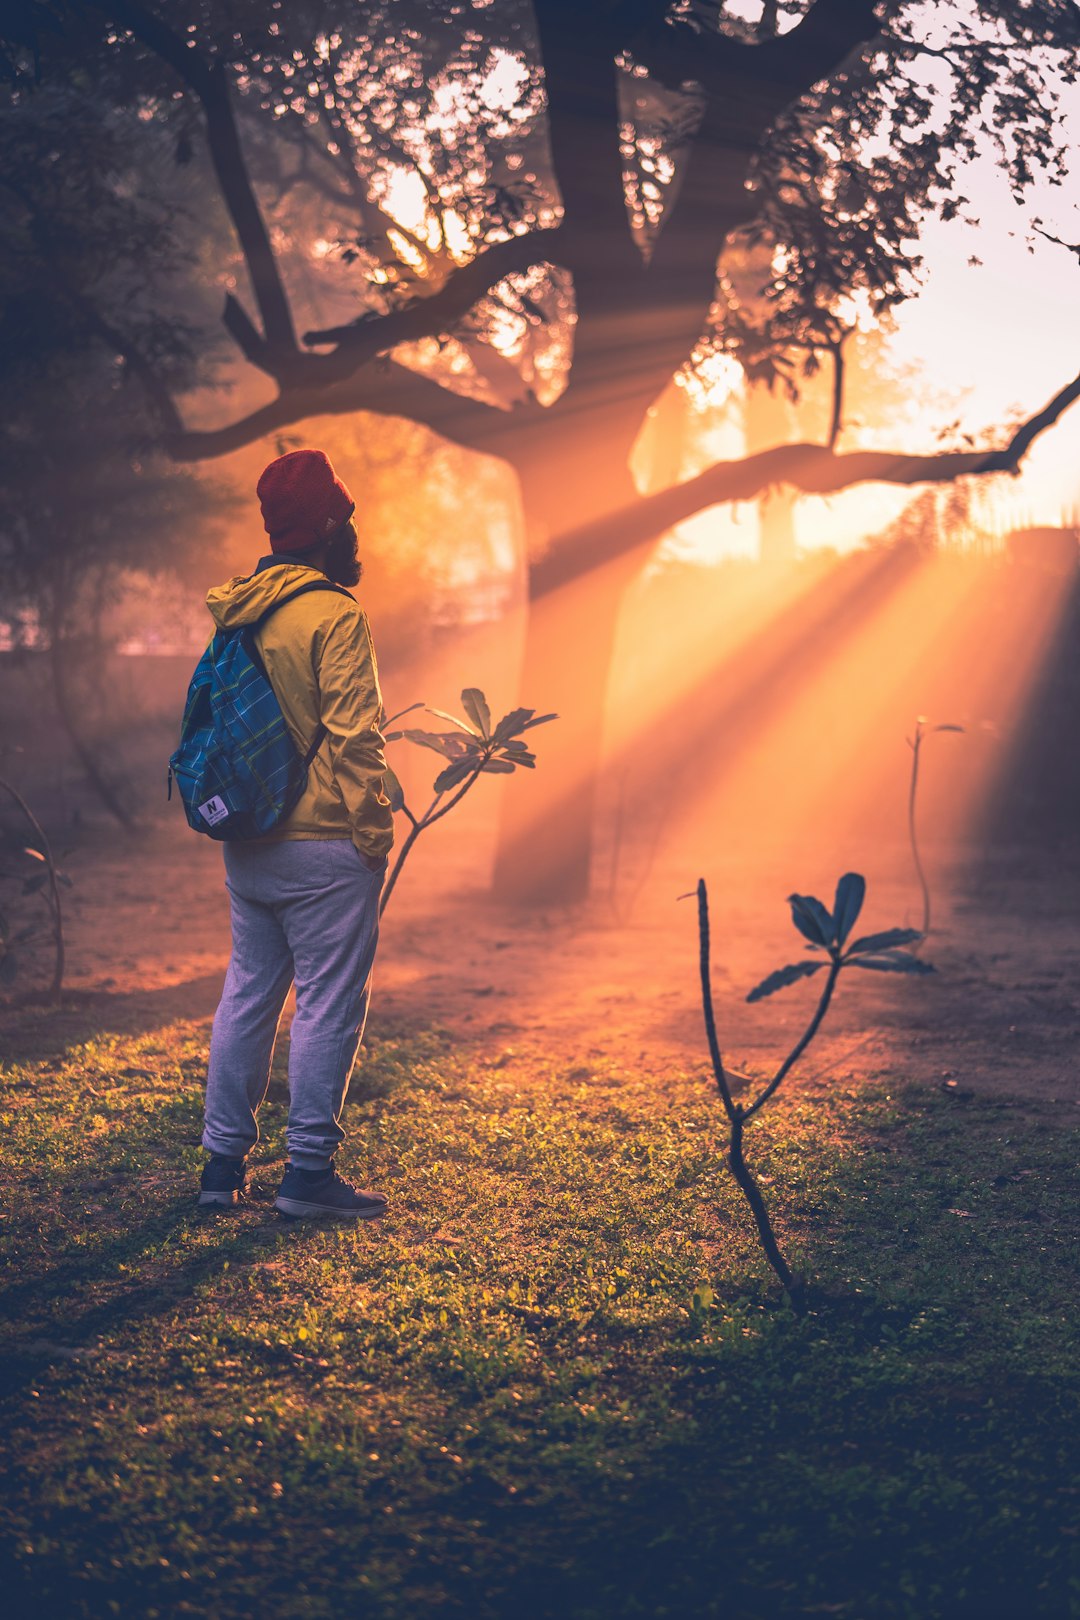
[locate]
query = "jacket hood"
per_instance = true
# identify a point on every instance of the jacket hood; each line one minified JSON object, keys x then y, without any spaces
{"x":246,"y":597}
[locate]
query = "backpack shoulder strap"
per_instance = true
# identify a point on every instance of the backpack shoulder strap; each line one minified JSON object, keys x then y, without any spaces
{"x":249,"y":630}
{"x":301,"y":590}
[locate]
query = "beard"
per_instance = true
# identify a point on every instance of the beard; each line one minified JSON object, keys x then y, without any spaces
{"x":343,"y":563}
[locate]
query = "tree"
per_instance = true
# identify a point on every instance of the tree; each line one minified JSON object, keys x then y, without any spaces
{"x":83,"y":499}
{"x":584,"y":167}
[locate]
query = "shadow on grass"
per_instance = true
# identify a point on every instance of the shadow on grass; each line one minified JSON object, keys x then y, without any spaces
{"x":904,"y":1453}
{"x":39,"y":1033}
{"x":80,"y":1302}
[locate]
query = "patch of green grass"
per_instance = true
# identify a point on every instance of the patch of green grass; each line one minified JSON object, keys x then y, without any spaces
{"x":557,"y":1378}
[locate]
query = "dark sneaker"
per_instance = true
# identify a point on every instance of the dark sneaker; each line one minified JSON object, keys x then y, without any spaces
{"x":222,"y":1181}
{"x":306,"y":1194}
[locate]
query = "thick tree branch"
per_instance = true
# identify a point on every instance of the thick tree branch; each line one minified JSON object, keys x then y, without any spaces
{"x":809,"y":468}
{"x":369,"y":336}
{"x":676,"y":53}
{"x":209,"y":82}
{"x":581,"y":87}
{"x":387,"y":389}
{"x":239,"y":194}
{"x":748,"y":86}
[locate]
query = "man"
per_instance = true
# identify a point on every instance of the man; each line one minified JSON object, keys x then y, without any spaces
{"x":304,"y":900}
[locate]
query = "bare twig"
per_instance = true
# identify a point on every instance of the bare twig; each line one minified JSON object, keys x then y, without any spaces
{"x":56,"y":986}
{"x":922,"y":731}
{"x":737,"y":1117}
{"x":827,"y":932}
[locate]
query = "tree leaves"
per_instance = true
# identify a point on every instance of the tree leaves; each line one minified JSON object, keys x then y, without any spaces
{"x":782,"y":978}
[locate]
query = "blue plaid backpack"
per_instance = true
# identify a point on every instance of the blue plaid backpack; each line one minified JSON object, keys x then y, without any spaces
{"x":237,"y":768}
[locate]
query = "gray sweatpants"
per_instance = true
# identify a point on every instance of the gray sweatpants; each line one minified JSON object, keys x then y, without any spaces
{"x":306,"y":909}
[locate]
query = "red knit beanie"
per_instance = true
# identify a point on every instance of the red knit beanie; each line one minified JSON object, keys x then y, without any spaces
{"x":302,"y":499}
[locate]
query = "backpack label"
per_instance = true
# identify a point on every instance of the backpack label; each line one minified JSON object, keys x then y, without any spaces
{"x":213,"y":811}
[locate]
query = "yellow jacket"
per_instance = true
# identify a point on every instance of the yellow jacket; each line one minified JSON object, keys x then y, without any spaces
{"x":321,"y":664}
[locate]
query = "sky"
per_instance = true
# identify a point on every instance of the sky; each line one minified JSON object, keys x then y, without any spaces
{"x":1000,"y":337}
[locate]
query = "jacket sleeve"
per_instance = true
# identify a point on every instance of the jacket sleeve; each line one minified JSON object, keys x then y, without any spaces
{"x":350,"y":704}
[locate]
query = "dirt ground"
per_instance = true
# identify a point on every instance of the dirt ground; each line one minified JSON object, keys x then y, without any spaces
{"x":560,"y":988}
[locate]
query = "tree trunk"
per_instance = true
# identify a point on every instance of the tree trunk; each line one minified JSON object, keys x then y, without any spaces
{"x":546,"y":834}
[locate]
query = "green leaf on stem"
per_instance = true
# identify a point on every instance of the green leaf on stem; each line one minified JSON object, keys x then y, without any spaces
{"x":453,"y":774}
{"x":811,"y":918}
{"x":510,"y":724}
{"x":449,"y":744}
{"x":393,"y":789}
{"x":474,"y":703}
{"x":782,"y":978}
{"x":889,"y":939}
{"x":850,"y":894}
{"x":453,"y":719}
{"x":892,"y":962}
{"x":389,"y":720}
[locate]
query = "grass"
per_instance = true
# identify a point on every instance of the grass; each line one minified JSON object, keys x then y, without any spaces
{"x":557,"y":1379}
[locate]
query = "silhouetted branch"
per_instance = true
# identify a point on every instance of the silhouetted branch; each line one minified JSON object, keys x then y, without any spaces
{"x":385,"y":389}
{"x":369,"y":336}
{"x":675,"y":52}
{"x":210,"y":84}
{"x":1058,"y":241}
{"x":805,"y":467}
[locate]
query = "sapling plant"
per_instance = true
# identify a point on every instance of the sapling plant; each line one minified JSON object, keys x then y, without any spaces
{"x":42,"y":878}
{"x":923,"y":729}
{"x":827,"y":933}
{"x":473,"y":748}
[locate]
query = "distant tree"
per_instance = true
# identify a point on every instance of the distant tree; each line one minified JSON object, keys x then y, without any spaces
{"x":85,"y":492}
{"x":584,"y":169}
